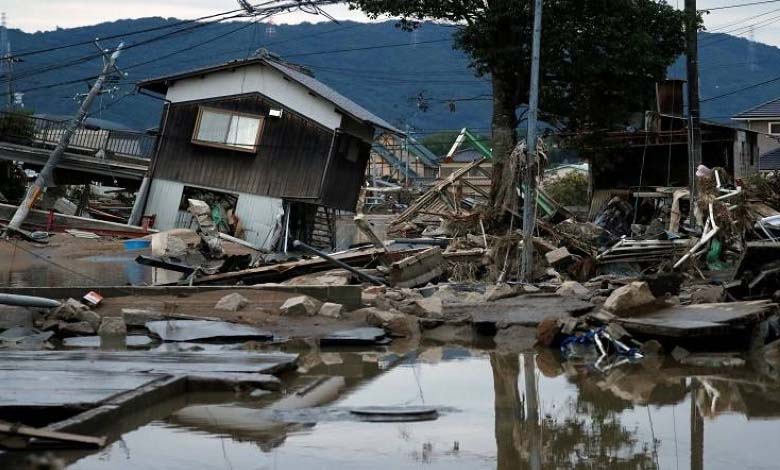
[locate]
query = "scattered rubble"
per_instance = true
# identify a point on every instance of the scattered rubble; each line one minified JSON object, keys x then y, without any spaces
{"x":301,"y":305}
{"x":232,"y":302}
{"x":629,"y":299}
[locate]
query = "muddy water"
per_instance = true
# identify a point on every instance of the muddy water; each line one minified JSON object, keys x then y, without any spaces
{"x":500,"y":411}
{"x":27,"y":270}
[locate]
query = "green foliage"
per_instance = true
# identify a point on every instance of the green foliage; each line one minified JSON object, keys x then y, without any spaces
{"x":569,"y":190}
{"x":600,"y":58}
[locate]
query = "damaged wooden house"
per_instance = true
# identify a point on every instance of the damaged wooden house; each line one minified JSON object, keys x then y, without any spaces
{"x":274,"y":152}
{"x":650,"y":160}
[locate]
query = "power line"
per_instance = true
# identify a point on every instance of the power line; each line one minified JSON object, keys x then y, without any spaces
{"x":734,"y":23}
{"x":132,"y":33}
{"x":87,"y":58}
{"x":740,"y":90}
{"x":739,"y":5}
{"x":385,"y":46}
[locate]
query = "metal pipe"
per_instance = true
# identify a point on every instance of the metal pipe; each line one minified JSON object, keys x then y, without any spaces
{"x":340,"y":264}
{"x":27,"y":301}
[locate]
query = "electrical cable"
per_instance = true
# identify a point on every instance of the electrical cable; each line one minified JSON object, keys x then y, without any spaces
{"x":132,"y":33}
{"x":739,"y":5}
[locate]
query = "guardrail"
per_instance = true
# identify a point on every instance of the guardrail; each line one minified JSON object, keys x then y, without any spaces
{"x":34,"y":131}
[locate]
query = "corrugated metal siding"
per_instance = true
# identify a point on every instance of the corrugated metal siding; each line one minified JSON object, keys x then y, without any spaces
{"x":163,"y":203}
{"x":261,"y":219}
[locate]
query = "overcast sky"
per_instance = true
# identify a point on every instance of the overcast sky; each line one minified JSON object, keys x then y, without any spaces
{"x":37,"y":15}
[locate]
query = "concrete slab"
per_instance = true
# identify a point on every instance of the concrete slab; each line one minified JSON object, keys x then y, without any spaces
{"x":193,"y":330}
{"x":526,"y":310}
{"x":141,"y":361}
{"x":33,"y":388}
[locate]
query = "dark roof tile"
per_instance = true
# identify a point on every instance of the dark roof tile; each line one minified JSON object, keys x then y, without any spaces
{"x":769,"y":109}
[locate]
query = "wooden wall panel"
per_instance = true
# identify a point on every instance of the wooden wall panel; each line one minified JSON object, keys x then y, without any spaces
{"x":289,"y":163}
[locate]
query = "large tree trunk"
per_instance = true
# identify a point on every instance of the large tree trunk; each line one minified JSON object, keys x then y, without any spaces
{"x":504,"y":140}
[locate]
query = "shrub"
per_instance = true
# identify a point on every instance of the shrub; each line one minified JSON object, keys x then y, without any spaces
{"x":569,"y":190}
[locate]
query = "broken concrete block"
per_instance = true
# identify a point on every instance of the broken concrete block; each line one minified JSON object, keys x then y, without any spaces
{"x":90,"y":317}
{"x":429,"y":308}
{"x":301,"y":305}
{"x":625,"y":300}
{"x":499,"y":291}
{"x":572,"y":289}
{"x":394,"y":322}
{"x":69,"y":310}
{"x":232,"y":302}
{"x":77,"y":329}
{"x":331,"y":310}
{"x":395,"y":295}
{"x":139,"y":317}
{"x":559,"y":258}
{"x":112,"y":326}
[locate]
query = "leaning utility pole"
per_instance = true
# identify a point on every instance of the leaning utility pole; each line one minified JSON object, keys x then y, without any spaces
{"x":45,"y":177}
{"x":694,"y":123}
{"x":529,"y":195}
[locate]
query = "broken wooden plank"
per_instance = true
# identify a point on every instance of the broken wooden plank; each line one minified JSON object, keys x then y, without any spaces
{"x":417,"y":269}
{"x":283,"y":271}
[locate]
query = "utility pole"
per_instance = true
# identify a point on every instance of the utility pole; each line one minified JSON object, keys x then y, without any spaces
{"x":694,"y":113}
{"x":45,"y":177}
{"x":529,"y":195}
{"x":7,"y":62}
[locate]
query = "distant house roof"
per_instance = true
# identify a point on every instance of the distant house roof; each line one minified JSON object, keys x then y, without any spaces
{"x":769,"y":109}
{"x":345,"y":105}
{"x":467,"y":156}
{"x":769,"y":161}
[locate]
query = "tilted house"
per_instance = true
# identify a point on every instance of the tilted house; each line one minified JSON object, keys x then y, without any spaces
{"x":277,"y":149}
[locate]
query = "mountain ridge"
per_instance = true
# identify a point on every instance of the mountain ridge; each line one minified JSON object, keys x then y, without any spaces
{"x":414,"y":80}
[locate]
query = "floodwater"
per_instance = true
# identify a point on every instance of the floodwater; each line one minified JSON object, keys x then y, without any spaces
{"x":34,"y":268}
{"x":498,"y":411}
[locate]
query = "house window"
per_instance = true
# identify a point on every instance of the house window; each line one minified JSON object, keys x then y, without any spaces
{"x":774,"y":128}
{"x":226,"y":129}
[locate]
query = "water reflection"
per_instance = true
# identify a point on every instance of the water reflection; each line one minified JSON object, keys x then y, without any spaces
{"x":501,"y":411}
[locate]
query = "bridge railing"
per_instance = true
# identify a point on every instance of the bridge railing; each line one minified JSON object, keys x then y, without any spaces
{"x":34,"y":131}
